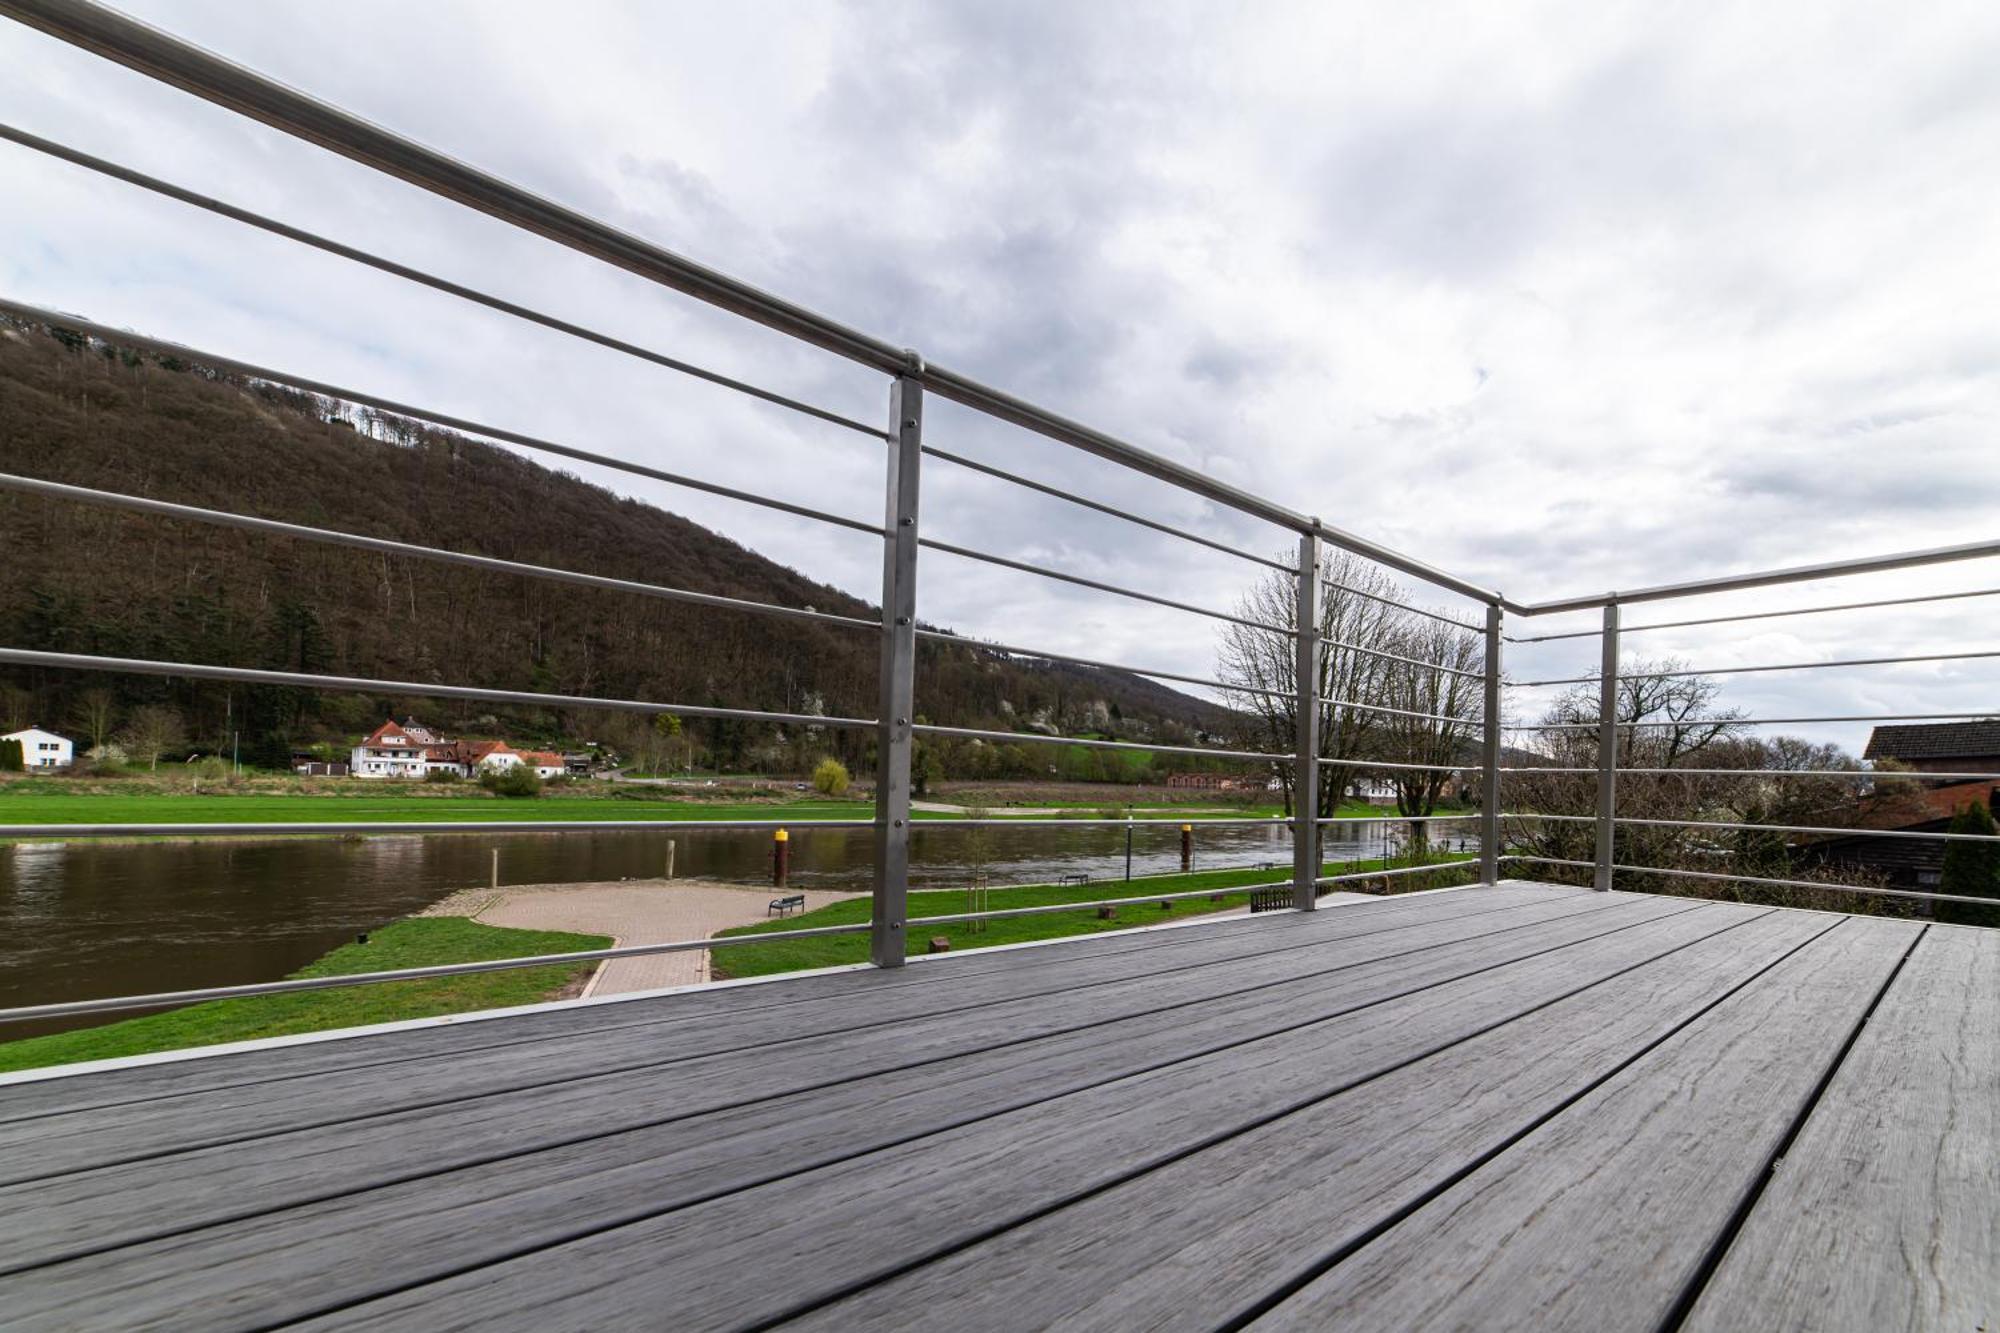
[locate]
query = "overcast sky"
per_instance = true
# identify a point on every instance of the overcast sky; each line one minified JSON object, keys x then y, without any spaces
{"x":1587,"y":297}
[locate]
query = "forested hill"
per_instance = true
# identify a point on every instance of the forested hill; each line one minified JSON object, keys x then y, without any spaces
{"x":92,"y":580}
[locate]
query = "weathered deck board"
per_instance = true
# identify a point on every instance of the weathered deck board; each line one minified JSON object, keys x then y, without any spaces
{"x":1518,"y":1106}
{"x":1158,"y":950}
{"x":128,"y":1202}
{"x":1048,"y":1001}
{"x":1270,"y":1207}
{"x":407,"y":1230}
{"x":814,"y":1234}
{"x":179,"y":1077}
{"x":1600,"y":1219}
{"x":1885,"y":1213}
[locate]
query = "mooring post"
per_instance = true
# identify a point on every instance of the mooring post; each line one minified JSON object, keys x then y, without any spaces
{"x":494,"y":881}
{"x":1187,"y":848}
{"x":781,"y":857}
{"x":670,"y":858}
{"x":886,"y":947}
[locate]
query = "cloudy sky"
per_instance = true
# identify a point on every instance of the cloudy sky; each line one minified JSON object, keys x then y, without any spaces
{"x":1583,"y":297}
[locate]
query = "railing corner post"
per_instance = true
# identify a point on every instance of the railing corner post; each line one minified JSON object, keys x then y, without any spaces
{"x":887,"y":946}
{"x":1607,"y":753}
{"x":1489,"y":808}
{"x":1305,"y":764}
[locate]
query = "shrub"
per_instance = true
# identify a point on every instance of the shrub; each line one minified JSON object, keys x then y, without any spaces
{"x":212,"y":769}
{"x":12,"y":759}
{"x":1971,"y":869}
{"x":830,"y":777}
{"x":441,"y":775}
{"x":519,"y":780}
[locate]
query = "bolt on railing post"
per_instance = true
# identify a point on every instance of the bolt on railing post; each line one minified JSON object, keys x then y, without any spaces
{"x":886,"y":947}
{"x":1607,"y":751}
{"x":1305,"y":765}
{"x":1489,"y":809}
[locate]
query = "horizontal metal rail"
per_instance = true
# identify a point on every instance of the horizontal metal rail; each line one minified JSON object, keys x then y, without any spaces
{"x":1408,"y":661}
{"x":328,"y":536}
{"x":1390,"y":601}
{"x":1770,"y":828}
{"x":1160,"y":820}
{"x":1037,"y":738}
{"x":1467,"y":863}
{"x":1396,"y":819}
{"x":1383,"y":763}
{"x":308,"y":680}
{"x":1550,"y":860}
{"x":1812,"y":884}
{"x":1767,"y":615}
{"x":125,"y":338}
{"x":1779,"y":666}
{"x":1028,"y":483}
{"x":188,"y":67}
{"x":931,"y":543}
{"x":1877,"y":564}
{"x":62,"y":832}
{"x":1757,"y":721}
{"x":1400,"y":712}
{"x":1130,"y":900}
{"x":1781,"y":773}
{"x":418,"y":276}
{"x":1014,"y":650}
{"x":72,"y":1008}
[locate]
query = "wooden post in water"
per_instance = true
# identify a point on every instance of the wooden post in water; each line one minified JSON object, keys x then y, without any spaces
{"x":494,"y":883}
{"x":1187,"y":848}
{"x":670,"y":858}
{"x":781,"y":857}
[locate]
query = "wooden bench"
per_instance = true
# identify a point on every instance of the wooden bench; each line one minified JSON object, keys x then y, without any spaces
{"x":782,"y":906}
{"x":1078,"y":877}
{"x":1270,"y":900}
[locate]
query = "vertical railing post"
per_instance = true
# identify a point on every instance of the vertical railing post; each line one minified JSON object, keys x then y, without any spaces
{"x":887,"y":946}
{"x":1305,"y":763}
{"x":1489,"y":807}
{"x":1607,"y":751}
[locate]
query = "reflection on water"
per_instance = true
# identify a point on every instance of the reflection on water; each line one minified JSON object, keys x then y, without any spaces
{"x":80,"y":920}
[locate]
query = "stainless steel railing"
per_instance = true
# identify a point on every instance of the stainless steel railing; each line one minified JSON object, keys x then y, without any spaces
{"x":911,"y":379}
{"x":1613,"y":729}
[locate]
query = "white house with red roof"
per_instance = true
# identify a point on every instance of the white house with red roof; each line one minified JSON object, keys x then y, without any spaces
{"x":392,"y":750}
{"x":411,"y":750}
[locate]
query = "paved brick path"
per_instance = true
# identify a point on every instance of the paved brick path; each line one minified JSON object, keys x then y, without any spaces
{"x":640,"y":912}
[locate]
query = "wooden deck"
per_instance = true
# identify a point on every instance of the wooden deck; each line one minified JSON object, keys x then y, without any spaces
{"x":1519,"y":1106}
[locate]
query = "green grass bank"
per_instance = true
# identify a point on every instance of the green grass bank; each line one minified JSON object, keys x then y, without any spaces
{"x":414,"y":942}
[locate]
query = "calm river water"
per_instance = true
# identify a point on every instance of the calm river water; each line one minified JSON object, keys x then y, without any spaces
{"x":81,"y":920}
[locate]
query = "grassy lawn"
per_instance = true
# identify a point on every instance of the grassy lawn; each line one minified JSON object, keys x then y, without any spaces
{"x":416,"y":942}
{"x":756,"y":960}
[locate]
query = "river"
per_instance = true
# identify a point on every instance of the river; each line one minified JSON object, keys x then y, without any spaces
{"x":81,"y":920}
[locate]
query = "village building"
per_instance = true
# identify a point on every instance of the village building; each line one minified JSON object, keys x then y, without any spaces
{"x":413,"y":751}
{"x":1939,"y":747}
{"x":1915,"y":863}
{"x":43,"y":749}
{"x":392,"y":750}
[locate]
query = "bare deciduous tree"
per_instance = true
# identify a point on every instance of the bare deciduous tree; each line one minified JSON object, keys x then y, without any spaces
{"x":152,"y":732}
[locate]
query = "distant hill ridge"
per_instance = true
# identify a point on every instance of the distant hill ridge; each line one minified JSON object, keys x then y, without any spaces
{"x":83,"y":579}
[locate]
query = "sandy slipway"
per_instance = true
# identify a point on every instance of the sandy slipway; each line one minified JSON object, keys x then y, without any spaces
{"x":631,"y":912}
